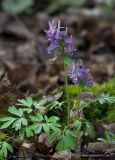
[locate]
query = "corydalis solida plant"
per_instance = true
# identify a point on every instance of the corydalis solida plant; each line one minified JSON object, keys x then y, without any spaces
{"x":28,"y":121}
{"x":61,"y":43}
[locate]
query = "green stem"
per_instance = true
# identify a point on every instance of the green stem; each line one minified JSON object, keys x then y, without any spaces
{"x":67,"y":95}
{"x":78,"y":116}
{"x":87,"y":104}
{"x":78,"y":106}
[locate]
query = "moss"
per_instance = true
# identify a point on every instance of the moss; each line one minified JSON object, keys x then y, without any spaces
{"x":111,"y":114}
{"x":97,"y":112}
{"x":105,"y":112}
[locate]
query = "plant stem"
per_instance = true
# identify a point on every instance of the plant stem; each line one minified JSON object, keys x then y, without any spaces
{"x":78,"y":116}
{"x":78,"y":105}
{"x":67,"y":95}
{"x":87,"y":104}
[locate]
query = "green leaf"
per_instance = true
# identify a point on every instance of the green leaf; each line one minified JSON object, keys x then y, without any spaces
{"x":39,"y":104}
{"x":109,"y":138}
{"x":60,"y":146}
{"x":107,"y":135}
{"x":5,"y":119}
{"x":56,"y":105}
{"x":90,"y":129}
{"x":53,"y":119}
{"x":8,"y":123}
{"x":66,"y":141}
{"x":101,"y":101}
{"x":28,"y":110}
{"x":21,"y":133}
{"x":20,"y":111}
{"x":79,"y":61}
{"x":78,"y":125}
{"x":15,"y":111}
{"x":67,"y":60}
{"x":24,"y":121}
{"x":36,"y":127}
{"x":46,"y":118}
{"x":29,"y":132}
{"x":112,"y":135}
{"x":106,"y":98}
{"x":53,"y":137}
{"x":71,"y":141}
{"x":52,"y":124}
{"x":101,"y":139}
{"x":3,"y":136}
{"x":9,"y":147}
{"x":54,"y":128}
{"x":68,"y":131}
{"x":17,"y":124}
{"x":29,"y":101}
{"x":46,"y":128}
{"x":37,"y":118}
{"x":4,"y":148}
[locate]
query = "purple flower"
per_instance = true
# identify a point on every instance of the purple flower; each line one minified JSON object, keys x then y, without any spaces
{"x":53,"y":46}
{"x":58,"y":39}
{"x":54,"y":35}
{"x":89,"y":82}
{"x":68,"y":45}
{"x":51,"y":32}
{"x":79,"y":73}
{"x":58,"y":32}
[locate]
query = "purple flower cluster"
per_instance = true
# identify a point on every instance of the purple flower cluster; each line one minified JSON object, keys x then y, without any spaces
{"x":79,"y":73}
{"x":60,"y":41}
{"x":58,"y":38}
